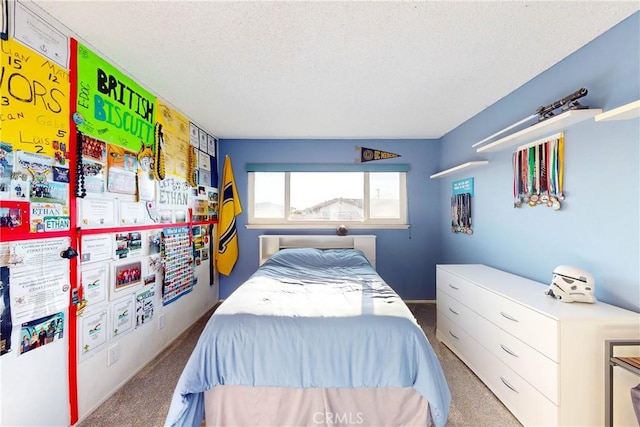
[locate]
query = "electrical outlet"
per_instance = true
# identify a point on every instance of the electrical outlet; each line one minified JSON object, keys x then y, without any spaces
{"x":113,"y":354}
{"x":161,"y":321}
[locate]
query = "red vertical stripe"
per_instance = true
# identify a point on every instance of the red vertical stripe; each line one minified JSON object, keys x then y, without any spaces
{"x":73,"y":232}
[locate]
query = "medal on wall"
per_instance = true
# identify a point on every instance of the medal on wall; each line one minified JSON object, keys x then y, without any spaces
{"x":538,"y":170}
{"x":462,"y":192}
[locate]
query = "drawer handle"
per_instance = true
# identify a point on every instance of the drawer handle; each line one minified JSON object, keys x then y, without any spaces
{"x":509,"y":385}
{"x":453,"y":287}
{"x":509,"y":351}
{"x":453,"y":335}
{"x":506,"y":316}
{"x":453,"y":311}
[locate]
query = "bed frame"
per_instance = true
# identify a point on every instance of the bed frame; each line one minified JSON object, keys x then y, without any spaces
{"x":270,"y":244}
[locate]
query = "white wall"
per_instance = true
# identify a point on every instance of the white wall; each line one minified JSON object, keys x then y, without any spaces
{"x":34,"y":386}
{"x":97,"y":381}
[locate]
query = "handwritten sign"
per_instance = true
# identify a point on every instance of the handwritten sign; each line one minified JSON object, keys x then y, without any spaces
{"x":174,"y":191}
{"x":110,"y":105}
{"x":34,"y":101}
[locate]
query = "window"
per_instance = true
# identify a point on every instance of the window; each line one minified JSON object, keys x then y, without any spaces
{"x":327,"y":198}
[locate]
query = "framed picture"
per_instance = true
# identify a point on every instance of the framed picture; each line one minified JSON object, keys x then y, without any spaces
{"x":126,"y":278}
{"x":127,"y":244}
{"x":14,"y":216}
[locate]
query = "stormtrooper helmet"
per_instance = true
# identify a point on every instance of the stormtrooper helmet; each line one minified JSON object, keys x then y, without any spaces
{"x":571,"y":284}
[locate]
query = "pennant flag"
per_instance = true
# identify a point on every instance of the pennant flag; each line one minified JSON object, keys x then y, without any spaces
{"x":370,"y":154}
{"x":227,"y":251}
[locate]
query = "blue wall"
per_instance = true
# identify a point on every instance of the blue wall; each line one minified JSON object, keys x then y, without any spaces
{"x":597,"y":228}
{"x":405,"y":257}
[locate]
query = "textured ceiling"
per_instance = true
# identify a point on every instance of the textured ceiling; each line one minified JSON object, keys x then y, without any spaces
{"x":333,"y":69}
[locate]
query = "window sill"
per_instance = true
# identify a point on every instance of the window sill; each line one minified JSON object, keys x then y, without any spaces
{"x":324,"y":227}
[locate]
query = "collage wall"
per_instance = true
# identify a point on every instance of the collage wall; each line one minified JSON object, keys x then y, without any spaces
{"x":108,"y":204}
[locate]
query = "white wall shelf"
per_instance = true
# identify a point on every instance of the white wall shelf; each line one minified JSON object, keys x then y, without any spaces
{"x":547,"y":126}
{"x":624,"y":112}
{"x":461,"y":167}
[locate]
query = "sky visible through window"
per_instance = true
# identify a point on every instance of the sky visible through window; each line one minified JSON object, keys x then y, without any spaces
{"x":311,"y":188}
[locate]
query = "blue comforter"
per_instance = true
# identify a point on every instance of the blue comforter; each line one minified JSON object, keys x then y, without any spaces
{"x":301,"y":320}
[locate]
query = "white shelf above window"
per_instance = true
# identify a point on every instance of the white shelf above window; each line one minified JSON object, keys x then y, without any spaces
{"x":624,"y":112}
{"x":459,"y":168}
{"x":547,"y":126}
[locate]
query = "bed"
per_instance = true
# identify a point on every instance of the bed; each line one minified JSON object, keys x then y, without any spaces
{"x":314,"y":337}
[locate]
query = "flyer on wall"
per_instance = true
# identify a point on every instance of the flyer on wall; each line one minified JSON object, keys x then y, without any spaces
{"x":94,"y":283}
{"x":6,"y":326}
{"x":96,"y":247}
{"x":30,"y":253}
{"x":121,"y":317}
{"x":35,"y":278}
{"x":37,"y":291}
{"x":40,"y":332}
{"x":93,"y":335}
{"x":144,"y":305}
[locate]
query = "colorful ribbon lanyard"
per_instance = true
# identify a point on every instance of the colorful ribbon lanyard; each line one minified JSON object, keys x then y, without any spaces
{"x":560,"y":166}
{"x":515,"y":160}
{"x":538,"y":174}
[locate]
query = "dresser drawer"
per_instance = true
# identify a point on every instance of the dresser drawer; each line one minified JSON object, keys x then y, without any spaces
{"x":523,"y":400}
{"x":540,"y":371}
{"x":457,"y":312}
{"x":535,"y":329}
{"x":455,"y":337}
{"x":458,"y":288}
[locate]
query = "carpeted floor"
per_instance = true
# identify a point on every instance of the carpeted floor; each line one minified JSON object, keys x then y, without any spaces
{"x":144,"y":401}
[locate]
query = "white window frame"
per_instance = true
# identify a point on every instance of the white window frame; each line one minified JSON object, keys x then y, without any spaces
{"x":369,"y":223}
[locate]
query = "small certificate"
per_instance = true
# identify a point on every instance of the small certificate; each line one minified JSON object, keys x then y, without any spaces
{"x":94,"y":284}
{"x":204,"y":178}
{"x":132,"y":213}
{"x":97,"y":212}
{"x":203,"y":141}
{"x":122,"y":317}
{"x":40,"y":36}
{"x":194,"y":135}
{"x":93,"y":335}
{"x":211,"y":146}
{"x":204,"y":160}
{"x":96,"y":247}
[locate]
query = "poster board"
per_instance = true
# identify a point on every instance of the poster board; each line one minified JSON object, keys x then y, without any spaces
{"x":175,"y":129}
{"x":110,"y":105}
{"x":35,"y":102}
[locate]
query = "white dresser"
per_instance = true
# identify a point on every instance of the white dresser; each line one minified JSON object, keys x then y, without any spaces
{"x":544,"y":359}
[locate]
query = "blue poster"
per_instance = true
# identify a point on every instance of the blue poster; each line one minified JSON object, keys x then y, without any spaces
{"x":5,"y":312}
{"x":463,"y":186}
